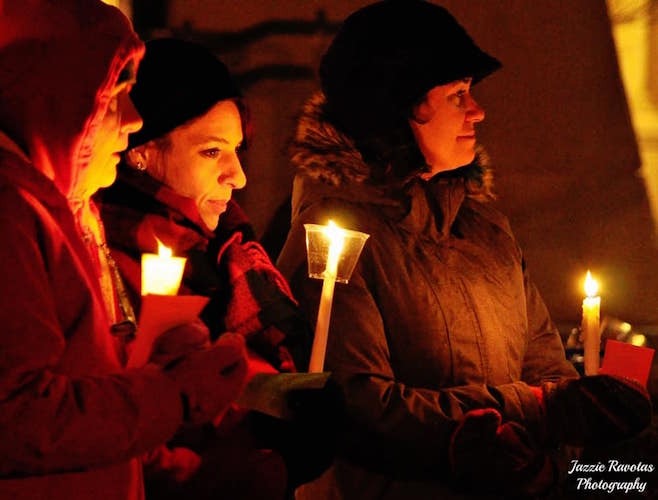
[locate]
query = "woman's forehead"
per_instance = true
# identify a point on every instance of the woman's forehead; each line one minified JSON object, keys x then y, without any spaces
{"x":221,"y":123}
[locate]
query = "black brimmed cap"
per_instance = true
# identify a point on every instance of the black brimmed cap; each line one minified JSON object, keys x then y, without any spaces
{"x":388,"y":55}
{"x":177,"y":81}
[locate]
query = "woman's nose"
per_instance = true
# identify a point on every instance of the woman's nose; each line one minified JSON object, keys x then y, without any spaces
{"x":234,"y":175}
{"x":475,"y":112}
{"x":131,"y":121}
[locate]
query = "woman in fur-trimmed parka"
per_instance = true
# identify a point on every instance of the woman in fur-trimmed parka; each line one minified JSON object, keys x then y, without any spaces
{"x":441,"y":342}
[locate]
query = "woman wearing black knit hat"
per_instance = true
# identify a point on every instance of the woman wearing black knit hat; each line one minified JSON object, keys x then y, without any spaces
{"x":174,"y":185}
{"x":455,"y":377}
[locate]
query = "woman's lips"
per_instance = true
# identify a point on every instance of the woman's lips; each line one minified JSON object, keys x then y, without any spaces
{"x":218,"y":206}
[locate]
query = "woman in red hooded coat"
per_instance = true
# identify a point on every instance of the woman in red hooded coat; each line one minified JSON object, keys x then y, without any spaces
{"x":73,"y":419}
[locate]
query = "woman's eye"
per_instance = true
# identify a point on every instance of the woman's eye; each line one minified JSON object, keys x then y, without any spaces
{"x":211,"y":153}
{"x":458,"y":97}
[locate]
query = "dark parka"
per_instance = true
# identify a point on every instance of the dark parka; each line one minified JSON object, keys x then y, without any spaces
{"x":438,"y":318}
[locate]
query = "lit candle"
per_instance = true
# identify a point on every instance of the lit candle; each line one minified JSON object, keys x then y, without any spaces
{"x":161,"y":273}
{"x":336,"y":236}
{"x":590,"y":328}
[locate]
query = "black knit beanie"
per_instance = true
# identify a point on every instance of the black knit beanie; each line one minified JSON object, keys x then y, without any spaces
{"x":176,"y":82}
{"x":384,"y":59}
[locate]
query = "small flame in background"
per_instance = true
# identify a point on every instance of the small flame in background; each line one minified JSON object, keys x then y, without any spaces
{"x":591,"y":285}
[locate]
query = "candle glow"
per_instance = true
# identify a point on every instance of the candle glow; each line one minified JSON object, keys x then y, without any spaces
{"x":336,"y":236}
{"x":590,"y":327}
{"x":591,"y":285}
{"x":161,"y":273}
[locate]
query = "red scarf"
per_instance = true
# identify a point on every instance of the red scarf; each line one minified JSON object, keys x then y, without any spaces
{"x":248,"y":294}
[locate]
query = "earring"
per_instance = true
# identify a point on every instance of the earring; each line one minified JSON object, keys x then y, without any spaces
{"x":140,"y":166}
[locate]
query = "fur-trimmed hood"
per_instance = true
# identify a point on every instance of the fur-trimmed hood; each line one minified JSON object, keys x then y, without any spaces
{"x":329,"y":165}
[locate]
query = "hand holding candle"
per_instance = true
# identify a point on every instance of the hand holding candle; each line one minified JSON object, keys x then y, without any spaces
{"x":332,"y":256}
{"x":590,"y":326}
{"x":161,"y":273}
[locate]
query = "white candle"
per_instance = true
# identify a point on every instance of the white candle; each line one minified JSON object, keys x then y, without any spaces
{"x":161,"y":273}
{"x":590,"y":327}
{"x":336,"y":236}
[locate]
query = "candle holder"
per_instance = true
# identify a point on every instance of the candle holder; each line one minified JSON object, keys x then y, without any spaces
{"x":318,"y":244}
{"x":332,"y":253}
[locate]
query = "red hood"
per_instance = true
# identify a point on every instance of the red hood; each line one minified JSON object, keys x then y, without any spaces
{"x":58,"y":63}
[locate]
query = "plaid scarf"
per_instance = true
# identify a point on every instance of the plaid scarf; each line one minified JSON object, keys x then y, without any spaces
{"x":247,"y":293}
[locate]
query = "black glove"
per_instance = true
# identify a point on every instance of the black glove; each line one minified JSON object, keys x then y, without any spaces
{"x":595,"y":409}
{"x":307,"y":441}
{"x":487,"y":455}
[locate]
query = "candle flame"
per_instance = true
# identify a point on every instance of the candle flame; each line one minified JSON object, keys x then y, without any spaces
{"x":591,"y":285}
{"x":336,"y":236}
{"x":163,"y":251}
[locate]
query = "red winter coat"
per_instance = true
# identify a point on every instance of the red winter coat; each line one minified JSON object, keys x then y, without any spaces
{"x":72,"y":418}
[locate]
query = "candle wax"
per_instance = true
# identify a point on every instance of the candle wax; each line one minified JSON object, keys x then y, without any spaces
{"x":591,"y":334}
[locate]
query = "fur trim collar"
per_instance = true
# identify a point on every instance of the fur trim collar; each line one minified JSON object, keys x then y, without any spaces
{"x":325,"y":154}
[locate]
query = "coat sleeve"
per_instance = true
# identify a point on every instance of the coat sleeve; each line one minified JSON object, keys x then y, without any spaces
{"x":49,"y":421}
{"x":544,"y":361}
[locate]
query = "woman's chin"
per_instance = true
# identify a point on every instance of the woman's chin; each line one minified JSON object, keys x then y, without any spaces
{"x":211,"y":211}
{"x":211,"y":221}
